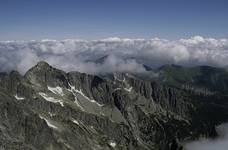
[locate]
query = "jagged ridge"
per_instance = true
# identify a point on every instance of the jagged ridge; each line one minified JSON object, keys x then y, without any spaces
{"x":59,"y":110}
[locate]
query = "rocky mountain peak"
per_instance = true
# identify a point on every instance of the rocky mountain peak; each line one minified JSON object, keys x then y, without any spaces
{"x":44,"y":74}
{"x":43,"y":64}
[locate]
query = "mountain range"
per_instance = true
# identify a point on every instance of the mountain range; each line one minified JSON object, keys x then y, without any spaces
{"x":160,"y":109}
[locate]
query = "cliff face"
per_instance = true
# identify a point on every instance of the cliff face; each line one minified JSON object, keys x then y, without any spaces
{"x":50,"y":109}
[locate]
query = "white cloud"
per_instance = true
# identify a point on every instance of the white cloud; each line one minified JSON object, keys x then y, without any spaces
{"x":124,"y":54}
{"x":220,"y":143}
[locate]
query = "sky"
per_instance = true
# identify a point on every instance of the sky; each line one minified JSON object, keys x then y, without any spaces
{"x":72,"y":34}
{"x":97,"y":19}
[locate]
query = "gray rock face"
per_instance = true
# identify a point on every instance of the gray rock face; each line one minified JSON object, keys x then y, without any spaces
{"x":23,"y":129}
{"x":43,"y":74}
{"x":50,"y":109}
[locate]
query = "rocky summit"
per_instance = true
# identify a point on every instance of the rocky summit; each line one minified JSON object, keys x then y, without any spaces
{"x":49,"y":109}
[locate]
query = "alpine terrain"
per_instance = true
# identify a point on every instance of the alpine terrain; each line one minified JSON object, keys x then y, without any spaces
{"x":49,"y":109}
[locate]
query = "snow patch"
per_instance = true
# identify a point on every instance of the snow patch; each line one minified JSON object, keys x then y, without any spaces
{"x":128,"y":89}
{"x":49,"y":123}
{"x":19,"y":98}
{"x":51,"y":99}
{"x":121,"y":80}
{"x":56,"y":90}
{"x":74,"y":91}
{"x":75,"y":121}
{"x":51,"y":114}
{"x":116,"y":89}
{"x":113,"y":144}
{"x":125,"y":83}
{"x":86,"y":97}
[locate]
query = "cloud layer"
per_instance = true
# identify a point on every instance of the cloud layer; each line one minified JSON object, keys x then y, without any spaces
{"x":122,"y":54}
{"x":221,"y":143}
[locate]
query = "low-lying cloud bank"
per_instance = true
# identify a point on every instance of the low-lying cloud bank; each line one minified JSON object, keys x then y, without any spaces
{"x":123,"y":54}
{"x":221,"y":143}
